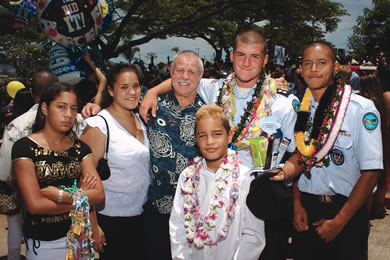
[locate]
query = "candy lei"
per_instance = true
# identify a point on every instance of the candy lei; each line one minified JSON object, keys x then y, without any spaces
{"x":257,"y":107}
{"x":198,"y":227}
{"x":79,"y":238}
{"x":314,"y":146}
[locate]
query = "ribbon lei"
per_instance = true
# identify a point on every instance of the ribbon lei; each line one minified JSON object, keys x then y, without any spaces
{"x":79,"y":238}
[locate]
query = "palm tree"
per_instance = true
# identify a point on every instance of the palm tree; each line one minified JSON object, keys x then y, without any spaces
{"x":151,"y":56}
{"x":176,"y":49}
{"x":130,"y":55}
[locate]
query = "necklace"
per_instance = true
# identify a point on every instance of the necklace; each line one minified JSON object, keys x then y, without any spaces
{"x":315,"y":142}
{"x":197,"y":226}
{"x":257,"y":107}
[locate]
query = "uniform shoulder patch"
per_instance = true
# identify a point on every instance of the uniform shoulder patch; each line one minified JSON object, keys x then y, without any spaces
{"x":370,"y":121}
{"x":296,"y":105}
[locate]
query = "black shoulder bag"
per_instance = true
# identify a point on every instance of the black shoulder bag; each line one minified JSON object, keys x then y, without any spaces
{"x":102,"y":167}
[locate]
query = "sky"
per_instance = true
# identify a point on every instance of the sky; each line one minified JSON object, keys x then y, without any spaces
{"x":163,"y":48}
{"x":355,"y":8}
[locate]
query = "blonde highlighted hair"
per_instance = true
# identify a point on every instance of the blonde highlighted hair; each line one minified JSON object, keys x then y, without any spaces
{"x":215,"y":112}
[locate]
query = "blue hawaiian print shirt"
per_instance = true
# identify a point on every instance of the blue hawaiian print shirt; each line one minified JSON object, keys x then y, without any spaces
{"x":172,"y":146}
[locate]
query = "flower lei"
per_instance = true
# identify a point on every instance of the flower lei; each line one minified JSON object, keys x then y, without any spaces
{"x":314,"y":146}
{"x":257,"y":107}
{"x":197,"y":227}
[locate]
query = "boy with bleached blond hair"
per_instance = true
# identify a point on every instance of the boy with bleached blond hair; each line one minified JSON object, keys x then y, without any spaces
{"x":210,"y":219}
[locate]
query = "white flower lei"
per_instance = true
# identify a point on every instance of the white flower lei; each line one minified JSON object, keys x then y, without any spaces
{"x":197,"y":226}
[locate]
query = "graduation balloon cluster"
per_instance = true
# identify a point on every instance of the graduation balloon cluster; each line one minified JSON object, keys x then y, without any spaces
{"x":72,"y":25}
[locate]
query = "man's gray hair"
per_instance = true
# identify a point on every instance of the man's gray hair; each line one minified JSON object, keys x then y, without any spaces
{"x":188,"y":53}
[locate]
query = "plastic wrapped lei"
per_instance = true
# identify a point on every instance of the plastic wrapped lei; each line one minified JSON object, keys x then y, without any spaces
{"x":79,"y":238}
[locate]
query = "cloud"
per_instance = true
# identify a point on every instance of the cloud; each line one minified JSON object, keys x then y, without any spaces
{"x":355,"y":8}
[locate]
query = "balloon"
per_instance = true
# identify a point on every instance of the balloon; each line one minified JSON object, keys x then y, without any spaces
{"x":24,"y":10}
{"x":63,"y":64}
{"x":70,"y":22}
{"x":105,"y":10}
{"x":13,"y":87}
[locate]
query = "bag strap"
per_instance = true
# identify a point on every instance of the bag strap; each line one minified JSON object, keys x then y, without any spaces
{"x":108,"y":137}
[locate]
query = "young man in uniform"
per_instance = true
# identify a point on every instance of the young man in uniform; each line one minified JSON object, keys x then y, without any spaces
{"x":339,"y":145}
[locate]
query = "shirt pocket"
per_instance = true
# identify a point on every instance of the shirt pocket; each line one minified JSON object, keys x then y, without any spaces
{"x":343,"y":142}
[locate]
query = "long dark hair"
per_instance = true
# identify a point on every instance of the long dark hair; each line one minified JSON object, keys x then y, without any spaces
{"x":23,"y":101}
{"x":383,"y":73}
{"x":369,"y":87}
{"x":49,"y":94}
{"x":112,"y":76}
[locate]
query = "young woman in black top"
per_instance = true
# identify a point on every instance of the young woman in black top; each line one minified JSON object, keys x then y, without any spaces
{"x":43,"y":161}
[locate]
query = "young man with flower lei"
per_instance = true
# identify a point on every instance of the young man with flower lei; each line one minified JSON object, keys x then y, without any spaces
{"x":247,"y":96}
{"x":340,"y":153}
{"x":210,"y":219}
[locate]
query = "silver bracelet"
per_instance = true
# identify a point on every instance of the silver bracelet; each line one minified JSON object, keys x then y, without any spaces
{"x":59,"y":197}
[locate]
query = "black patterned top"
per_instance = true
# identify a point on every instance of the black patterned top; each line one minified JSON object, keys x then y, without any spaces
{"x":52,"y":168}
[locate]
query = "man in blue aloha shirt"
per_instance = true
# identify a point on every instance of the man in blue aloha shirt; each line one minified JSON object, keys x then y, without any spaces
{"x":172,"y":146}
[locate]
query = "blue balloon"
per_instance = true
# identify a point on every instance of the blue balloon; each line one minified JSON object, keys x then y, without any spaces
{"x":63,"y":63}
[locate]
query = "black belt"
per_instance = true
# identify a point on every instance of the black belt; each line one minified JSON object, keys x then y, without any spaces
{"x":324,"y":199}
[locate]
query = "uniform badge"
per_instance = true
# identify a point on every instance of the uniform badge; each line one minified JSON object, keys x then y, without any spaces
{"x":296,"y":105}
{"x":370,"y":121}
{"x":337,"y":157}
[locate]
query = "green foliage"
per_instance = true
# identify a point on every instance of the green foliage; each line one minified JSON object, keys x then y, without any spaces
{"x":372,"y":29}
{"x":26,"y":48}
{"x":176,"y":49}
{"x":302,"y":22}
{"x":151,"y":56}
{"x":290,"y":23}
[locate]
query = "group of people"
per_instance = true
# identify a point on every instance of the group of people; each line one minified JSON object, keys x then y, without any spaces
{"x":181,"y":171}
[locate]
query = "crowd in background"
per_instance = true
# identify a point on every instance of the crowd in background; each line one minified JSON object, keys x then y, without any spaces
{"x":151,"y":75}
{"x":372,"y":82}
